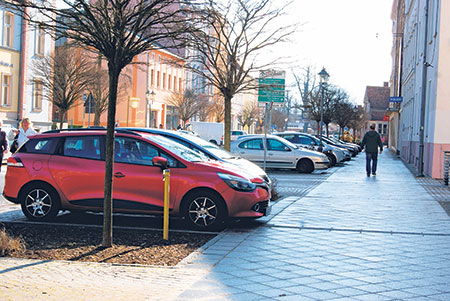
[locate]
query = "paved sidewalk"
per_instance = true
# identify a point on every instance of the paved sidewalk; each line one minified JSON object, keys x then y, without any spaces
{"x":350,"y":238}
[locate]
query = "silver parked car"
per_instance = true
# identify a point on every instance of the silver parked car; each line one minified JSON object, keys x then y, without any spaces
{"x":335,"y":154}
{"x":280,"y":153}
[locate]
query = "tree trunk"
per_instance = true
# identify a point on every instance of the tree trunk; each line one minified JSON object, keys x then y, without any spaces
{"x":61,"y":122}
{"x":227,"y":122}
{"x":109,"y":156}
{"x":97,"y":115}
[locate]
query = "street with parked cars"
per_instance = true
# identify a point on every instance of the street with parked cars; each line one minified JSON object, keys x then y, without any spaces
{"x":63,"y":170}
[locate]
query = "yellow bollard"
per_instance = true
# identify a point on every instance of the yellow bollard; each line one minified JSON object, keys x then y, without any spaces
{"x":166,"y":179}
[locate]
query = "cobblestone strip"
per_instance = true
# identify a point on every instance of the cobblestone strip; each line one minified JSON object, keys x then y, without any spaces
{"x":438,"y":191}
{"x":24,"y":279}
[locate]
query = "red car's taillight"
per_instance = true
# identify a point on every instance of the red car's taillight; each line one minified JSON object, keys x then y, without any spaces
{"x":15,"y":162}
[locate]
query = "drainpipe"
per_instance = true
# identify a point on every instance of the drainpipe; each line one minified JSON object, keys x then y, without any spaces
{"x":22,"y":64}
{"x":424,"y":95}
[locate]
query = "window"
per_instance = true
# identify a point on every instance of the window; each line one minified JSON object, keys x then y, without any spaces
{"x":37,"y":95}
{"x":252,"y":144}
{"x":82,"y":147}
{"x":40,"y":146}
{"x":175,"y":83}
{"x":152,"y":78}
{"x":164,"y":80}
{"x":276,"y":145}
{"x":172,"y":119}
{"x":6,"y":90}
{"x":158,"y":80}
{"x":40,"y":40}
{"x":180,"y":87}
{"x":169,"y":82}
{"x":128,"y":150}
{"x":305,"y":141}
{"x":8,"y":21}
{"x":291,"y":137}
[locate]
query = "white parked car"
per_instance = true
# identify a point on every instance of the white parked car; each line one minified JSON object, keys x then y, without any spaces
{"x":280,"y":153}
{"x":236,"y":134}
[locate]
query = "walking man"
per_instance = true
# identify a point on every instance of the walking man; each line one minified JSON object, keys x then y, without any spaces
{"x":371,"y":142}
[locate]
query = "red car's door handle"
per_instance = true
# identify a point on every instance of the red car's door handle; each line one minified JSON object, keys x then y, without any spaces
{"x":119,"y":175}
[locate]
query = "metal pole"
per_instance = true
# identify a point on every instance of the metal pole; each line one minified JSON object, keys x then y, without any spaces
{"x":150,"y":112}
{"x":265,"y":135}
{"x":128,"y":108}
{"x":166,"y":179}
{"x":321,"y":116}
{"x":89,"y":115}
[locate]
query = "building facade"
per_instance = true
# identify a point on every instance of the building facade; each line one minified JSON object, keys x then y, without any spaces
{"x":22,"y":93}
{"x":11,"y":57}
{"x":143,"y":94}
{"x":424,"y":74}
{"x":376,"y":101}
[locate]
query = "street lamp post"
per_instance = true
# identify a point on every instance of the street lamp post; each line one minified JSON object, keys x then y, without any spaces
{"x":323,"y":80}
{"x":150,"y":97}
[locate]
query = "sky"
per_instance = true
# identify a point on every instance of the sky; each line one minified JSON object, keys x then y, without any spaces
{"x":352,"y":39}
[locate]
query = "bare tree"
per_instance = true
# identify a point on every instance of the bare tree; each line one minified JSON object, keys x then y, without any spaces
{"x":187,"y":104}
{"x":119,"y":30}
{"x":343,"y":112}
{"x":358,"y":120}
{"x":66,"y":75}
{"x":279,"y":119}
{"x":234,"y":32}
{"x":217,"y":108}
{"x":306,"y":85}
{"x":205,"y":107}
{"x":248,"y":114}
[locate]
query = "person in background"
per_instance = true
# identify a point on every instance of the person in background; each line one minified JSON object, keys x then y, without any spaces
{"x":24,"y":131}
{"x":371,"y":142}
{"x":161,"y":126}
{"x":3,"y":144}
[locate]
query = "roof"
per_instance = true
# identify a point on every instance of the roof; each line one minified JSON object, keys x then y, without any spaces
{"x":377,"y":99}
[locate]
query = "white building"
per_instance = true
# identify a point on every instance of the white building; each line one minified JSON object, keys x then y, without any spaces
{"x":424,"y":125}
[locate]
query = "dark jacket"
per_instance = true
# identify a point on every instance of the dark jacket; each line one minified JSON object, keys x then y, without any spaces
{"x":372,"y":141}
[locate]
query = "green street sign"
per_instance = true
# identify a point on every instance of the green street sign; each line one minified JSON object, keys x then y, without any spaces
{"x":271,"y":89}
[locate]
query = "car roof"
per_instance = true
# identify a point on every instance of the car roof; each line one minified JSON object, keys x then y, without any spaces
{"x":80,"y":132}
{"x":175,"y":134}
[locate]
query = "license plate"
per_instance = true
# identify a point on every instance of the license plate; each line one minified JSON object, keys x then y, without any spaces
{"x":268,"y":209}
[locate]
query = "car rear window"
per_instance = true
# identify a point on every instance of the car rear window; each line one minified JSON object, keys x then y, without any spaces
{"x":82,"y":147}
{"x":40,"y":146}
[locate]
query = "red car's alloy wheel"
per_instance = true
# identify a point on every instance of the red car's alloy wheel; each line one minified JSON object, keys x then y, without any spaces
{"x":40,"y":203}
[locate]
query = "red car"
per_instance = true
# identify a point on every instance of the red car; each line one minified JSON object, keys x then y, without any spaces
{"x":64,"y":170}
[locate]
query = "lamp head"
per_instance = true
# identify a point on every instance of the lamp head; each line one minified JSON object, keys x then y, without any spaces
{"x":150,"y":95}
{"x":324,"y":75}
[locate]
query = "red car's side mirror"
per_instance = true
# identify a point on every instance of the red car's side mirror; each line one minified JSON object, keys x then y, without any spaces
{"x":160,"y":162}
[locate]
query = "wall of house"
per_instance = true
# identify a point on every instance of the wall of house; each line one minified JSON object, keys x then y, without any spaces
{"x":436,"y":106}
{"x":10,"y":57}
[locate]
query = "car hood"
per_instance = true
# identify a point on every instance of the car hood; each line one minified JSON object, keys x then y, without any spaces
{"x":248,"y":166}
{"x":230,"y":168}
